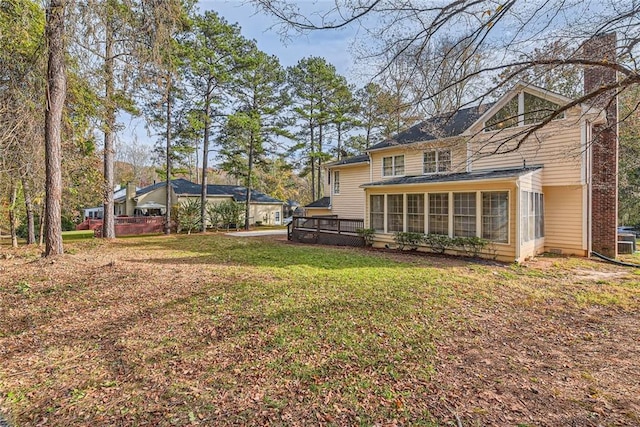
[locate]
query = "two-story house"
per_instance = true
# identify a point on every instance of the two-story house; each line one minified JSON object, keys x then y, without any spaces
{"x":470,"y":173}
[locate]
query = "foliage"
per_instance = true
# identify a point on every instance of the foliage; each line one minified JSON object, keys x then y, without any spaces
{"x":471,"y":246}
{"x":629,"y":166}
{"x":316,"y":91}
{"x":408,"y":240}
{"x":367,"y":234}
{"x":225,"y":214}
{"x":188,"y":215}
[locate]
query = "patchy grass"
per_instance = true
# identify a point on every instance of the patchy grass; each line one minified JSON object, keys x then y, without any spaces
{"x":69,"y":236}
{"x":203,"y":330}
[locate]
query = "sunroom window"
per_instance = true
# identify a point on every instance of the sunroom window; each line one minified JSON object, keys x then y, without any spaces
{"x":464,"y":214}
{"x":415,"y":213}
{"x":377,"y":212}
{"x":495,"y":216}
{"x":395,"y":212}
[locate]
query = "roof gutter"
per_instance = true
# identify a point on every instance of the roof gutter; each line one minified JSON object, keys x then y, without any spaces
{"x":430,"y":141}
{"x":489,"y":180}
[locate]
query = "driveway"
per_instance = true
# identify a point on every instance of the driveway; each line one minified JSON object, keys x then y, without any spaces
{"x":259,"y":233}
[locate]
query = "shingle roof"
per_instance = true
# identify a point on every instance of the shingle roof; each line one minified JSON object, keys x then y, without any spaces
{"x":324,"y":202}
{"x":361,"y":158}
{"x":444,"y":126}
{"x":185,"y":187}
{"x":455,"y":177}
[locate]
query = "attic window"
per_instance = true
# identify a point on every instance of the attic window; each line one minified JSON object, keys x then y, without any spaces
{"x":523,"y":109}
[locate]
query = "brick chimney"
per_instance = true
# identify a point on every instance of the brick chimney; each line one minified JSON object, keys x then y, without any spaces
{"x":604,"y":146}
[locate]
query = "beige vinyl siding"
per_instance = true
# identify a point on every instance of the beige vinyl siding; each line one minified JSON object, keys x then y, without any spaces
{"x":503,"y":251}
{"x":350,"y":203}
{"x":557,"y":147}
{"x":317,"y":211}
{"x":413,"y":157}
{"x":564,"y":219}
{"x":265,"y":213}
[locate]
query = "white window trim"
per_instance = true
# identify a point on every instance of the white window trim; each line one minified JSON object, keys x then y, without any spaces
{"x":393,"y":166}
{"x":451,"y":214}
{"x":520,"y":113}
{"x":437,"y":151}
{"x":336,"y":181}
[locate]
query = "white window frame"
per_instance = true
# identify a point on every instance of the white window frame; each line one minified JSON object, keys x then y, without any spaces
{"x":438,"y":161}
{"x":336,"y":182}
{"x":482,"y":230}
{"x":394,"y":166}
{"x":521,"y":113}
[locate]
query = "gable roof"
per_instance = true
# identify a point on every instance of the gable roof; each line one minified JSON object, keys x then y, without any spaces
{"x":324,"y":202}
{"x":185,"y":187}
{"x":458,"y":123}
{"x":504,"y":99}
{"x":444,"y":126}
{"x":456,"y":177}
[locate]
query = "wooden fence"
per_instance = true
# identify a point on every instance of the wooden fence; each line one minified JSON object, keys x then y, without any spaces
{"x":326,"y":230}
{"x":126,"y":225}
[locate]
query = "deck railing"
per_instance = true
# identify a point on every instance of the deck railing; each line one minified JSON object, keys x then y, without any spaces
{"x":326,"y":229}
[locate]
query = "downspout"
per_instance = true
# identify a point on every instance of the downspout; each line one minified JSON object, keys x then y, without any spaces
{"x":518,"y":218}
{"x":589,"y":188}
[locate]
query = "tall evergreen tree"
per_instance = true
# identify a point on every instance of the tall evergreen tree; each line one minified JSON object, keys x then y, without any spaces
{"x":212,"y":52}
{"x":252,"y":130}
{"x":314,"y":85}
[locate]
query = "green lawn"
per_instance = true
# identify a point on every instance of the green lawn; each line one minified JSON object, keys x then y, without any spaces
{"x":204,"y":330}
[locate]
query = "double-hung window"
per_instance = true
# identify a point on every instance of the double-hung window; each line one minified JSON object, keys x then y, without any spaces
{"x":377,"y":212}
{"x":395,"y":212}
{"x":336,"y":182}
{"x":415,"y":213}
{"x":439,"y":213}
{"x":393,"y":165}
{"x":436,"y":161}
{"x":495,"y":216}
{"x":464,"y":214}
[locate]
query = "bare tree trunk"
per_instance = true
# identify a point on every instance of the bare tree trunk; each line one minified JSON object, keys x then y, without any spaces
{"x":312,"y":153}
{"x":167,"y":217}
{"x":108,"y":220}
{"x":205,"y":160}
{"x":320,"y":193}
{"x":41,"y":230}
{"x":28,"y":204}
{"x":56,"y":85}
{"x":247,"y":208}
{"x":13,"y":218}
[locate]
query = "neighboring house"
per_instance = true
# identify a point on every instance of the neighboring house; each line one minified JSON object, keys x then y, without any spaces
{"x":462,"y":175}
{"x":152,"y":200}
{"x":320,"y":207}
{"x":119,"y":192}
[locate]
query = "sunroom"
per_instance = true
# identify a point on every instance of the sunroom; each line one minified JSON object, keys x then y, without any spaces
{"x":505,"y":207}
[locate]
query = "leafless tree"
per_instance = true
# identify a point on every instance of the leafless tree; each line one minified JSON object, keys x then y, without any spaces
{"x":510,"y":31}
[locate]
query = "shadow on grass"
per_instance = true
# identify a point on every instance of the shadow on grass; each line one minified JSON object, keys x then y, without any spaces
{"x":259,"y":252}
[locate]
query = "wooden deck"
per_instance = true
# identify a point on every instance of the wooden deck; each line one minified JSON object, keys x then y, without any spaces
{"x":326,"y":230}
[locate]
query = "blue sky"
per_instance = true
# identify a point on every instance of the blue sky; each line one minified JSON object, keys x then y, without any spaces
{"x":333,"y":45}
